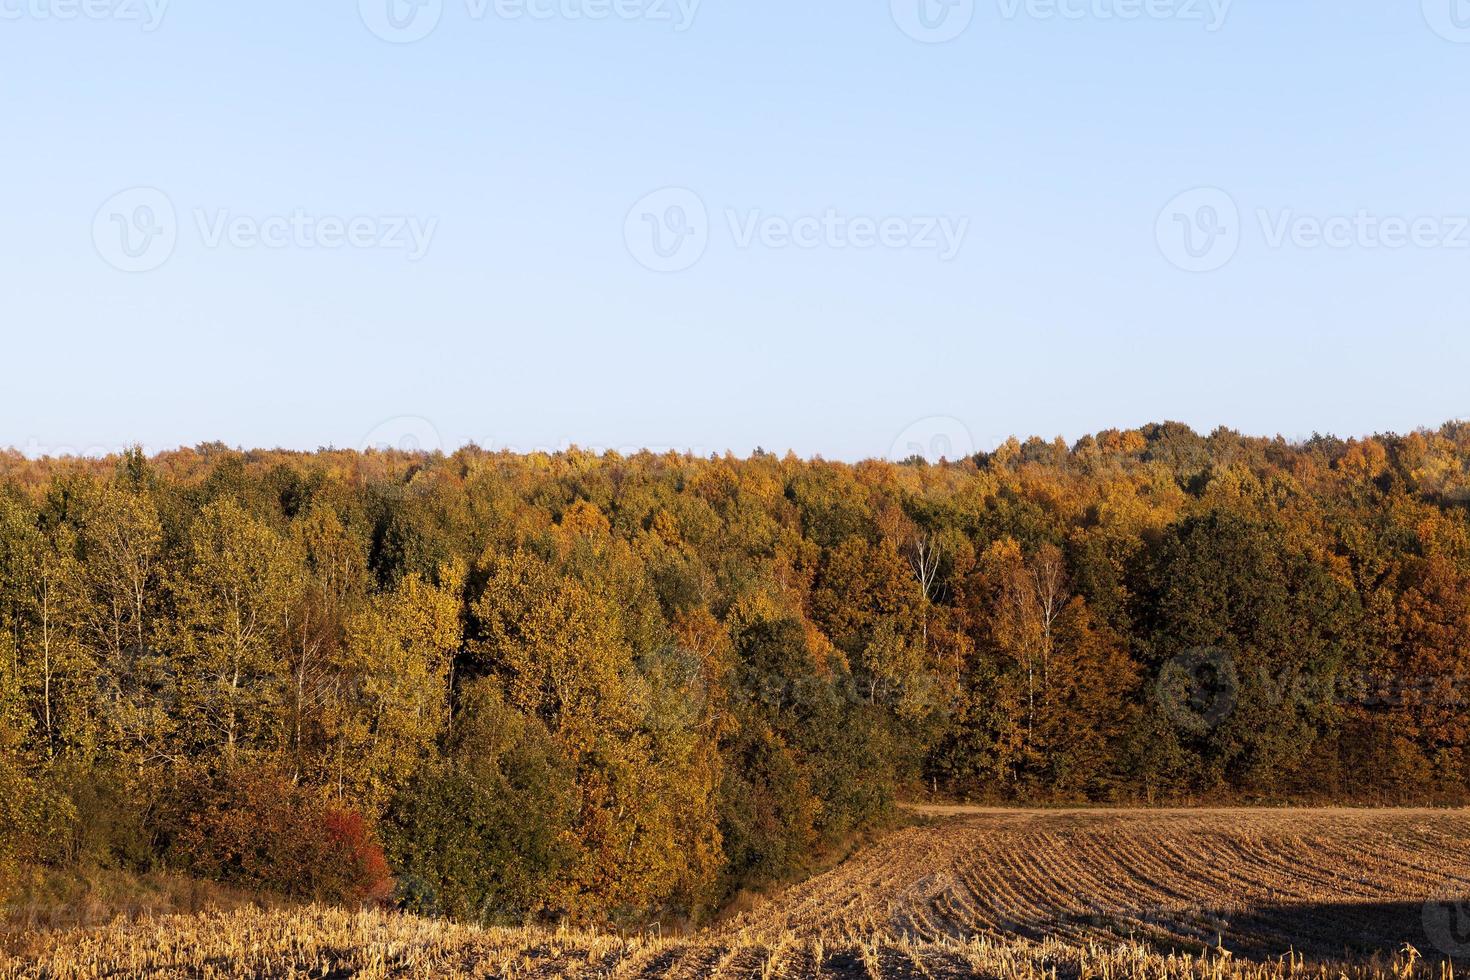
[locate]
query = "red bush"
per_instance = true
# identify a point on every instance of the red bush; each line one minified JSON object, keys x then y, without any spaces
{"x":371,"y":879}
{"x":260,"y":830}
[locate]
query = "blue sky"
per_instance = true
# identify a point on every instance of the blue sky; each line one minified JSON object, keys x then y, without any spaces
{"x":835,"y":227}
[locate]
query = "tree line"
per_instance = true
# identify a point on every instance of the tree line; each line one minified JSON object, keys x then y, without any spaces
{"x":613,"y":689}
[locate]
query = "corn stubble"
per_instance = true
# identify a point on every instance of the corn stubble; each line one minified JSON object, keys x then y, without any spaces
{"x":1032,"y":895}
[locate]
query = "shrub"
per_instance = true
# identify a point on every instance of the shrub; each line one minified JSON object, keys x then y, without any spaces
{"x":257,"y":829}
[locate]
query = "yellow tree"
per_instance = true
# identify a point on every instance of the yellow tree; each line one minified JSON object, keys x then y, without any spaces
{"x":557,"y":646}
{"x":121,"y":541}
{"x":1028,"y":599}
{"x":60,"y":673}
{"x":392,"y":696}
{"x":41,"y":598}
{"x":234,"y":595}
{"x":14,"y":784}
{"x":872,"y":605}
{"x":120,"y":546}
{"x":560,"y":647}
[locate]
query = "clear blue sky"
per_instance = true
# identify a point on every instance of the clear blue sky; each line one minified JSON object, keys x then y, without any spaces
{"x":1056,"y":137}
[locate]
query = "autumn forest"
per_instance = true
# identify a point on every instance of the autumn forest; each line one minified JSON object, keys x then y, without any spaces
{"x":613,"y":690}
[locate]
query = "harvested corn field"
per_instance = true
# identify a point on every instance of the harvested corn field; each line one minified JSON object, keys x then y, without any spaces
{"x":1237,"y":893}
{"x":1258,"y":882}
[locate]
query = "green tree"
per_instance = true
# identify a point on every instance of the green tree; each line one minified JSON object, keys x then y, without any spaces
{"x":483,"y":834}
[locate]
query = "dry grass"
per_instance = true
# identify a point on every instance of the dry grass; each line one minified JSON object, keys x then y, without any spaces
{"x":93,"y":897}
{"x":1217,"y":894}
